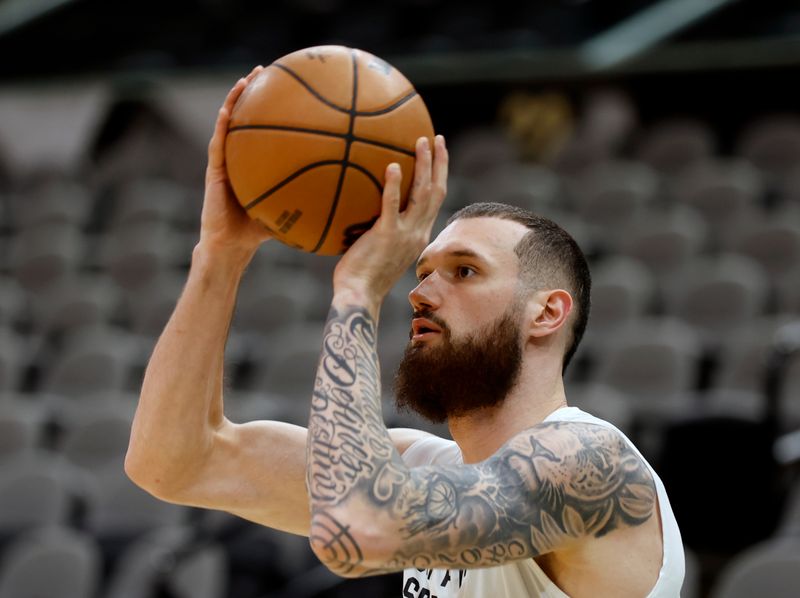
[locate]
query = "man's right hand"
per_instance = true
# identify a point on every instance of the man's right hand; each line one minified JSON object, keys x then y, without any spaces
{"x":225,"y":226}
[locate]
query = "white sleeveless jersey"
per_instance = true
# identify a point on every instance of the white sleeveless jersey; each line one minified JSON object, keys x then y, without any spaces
{"x":524,"y":579}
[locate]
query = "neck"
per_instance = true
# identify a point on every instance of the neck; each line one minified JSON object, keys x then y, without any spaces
{"x":538,"y":392}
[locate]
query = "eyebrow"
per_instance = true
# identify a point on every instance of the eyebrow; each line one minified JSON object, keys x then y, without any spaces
{"x":454,"y":253}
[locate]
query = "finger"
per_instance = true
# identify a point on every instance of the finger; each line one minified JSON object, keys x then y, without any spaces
{"x":390,"y":206}
{"x":420,"y":188}
{"x":216,"y":147}
{"x":254,"y":73}
{"x":441,"y":161}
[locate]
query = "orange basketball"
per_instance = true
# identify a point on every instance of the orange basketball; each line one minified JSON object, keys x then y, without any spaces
{"x":309,"y":141}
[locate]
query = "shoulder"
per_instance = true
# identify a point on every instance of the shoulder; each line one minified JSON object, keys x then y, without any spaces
{"x":575,"y":471}
{"x":403,"y":438}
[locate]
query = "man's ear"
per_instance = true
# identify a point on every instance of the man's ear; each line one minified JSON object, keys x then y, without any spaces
{"x":551,"y":310}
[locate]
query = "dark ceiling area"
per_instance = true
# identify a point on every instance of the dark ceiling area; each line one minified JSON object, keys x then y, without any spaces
{"x":51,"y":38}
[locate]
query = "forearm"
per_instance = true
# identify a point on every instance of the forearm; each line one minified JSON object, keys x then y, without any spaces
{"x":350,"y":455}
{"x":181,"y":398}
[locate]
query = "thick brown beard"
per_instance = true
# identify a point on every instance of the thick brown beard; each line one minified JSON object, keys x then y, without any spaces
{"x":458,"y":377}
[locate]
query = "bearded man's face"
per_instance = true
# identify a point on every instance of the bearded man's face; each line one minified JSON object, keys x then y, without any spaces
{"x":453,"y":377}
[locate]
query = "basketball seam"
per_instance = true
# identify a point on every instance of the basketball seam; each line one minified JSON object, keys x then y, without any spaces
{"x":331,"y":104}
{"x":288,"y":179}
{"x":322,"y":132}
{"x":345,"y":158}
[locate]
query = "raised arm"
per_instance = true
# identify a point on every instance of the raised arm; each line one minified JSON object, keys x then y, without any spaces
{"x":182,"y":448}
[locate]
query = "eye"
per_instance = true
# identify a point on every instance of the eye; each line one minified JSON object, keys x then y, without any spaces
{"x":464,"y":272}
{"x":422,"y":276}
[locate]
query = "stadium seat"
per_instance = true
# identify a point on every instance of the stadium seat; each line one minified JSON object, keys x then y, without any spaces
{"x":137,"y":253}
{"x":21,"y":426}
{"x":529,"y":186}
{"x":743,"y":359}
{"x":57,"y":200}
{"x":604,"y":402}
{"x":478,"y":151}
{"x":610,"y":195}
{"x":665,"y":241}
{"x":49,"y":563}
{"x":772,"y":143}
{"x":652,"y":360}
{"x":728,"y":194}
{"x":716,"y":294}
{"x":148,"y":199}
{"x":622,"y":291}
{"x":76,"y":302}
{"x":98,"y":437}
{"x":771,"y":568}
{"x":13,"y":359}
{"x":120,"y":512}
{"x":673,"y":145}
{"x":46,"y":254}
{"x":92,"y":360}
{"x":35,"y":490}
{"x":13,"y":304}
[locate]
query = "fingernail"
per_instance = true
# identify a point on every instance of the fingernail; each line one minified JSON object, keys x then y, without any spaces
{"x":440,"y":138}
{"x":394,"y":167}
{"x":423,"y":143}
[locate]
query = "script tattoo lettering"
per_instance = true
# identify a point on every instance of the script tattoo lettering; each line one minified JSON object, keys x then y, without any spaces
{"x":548,"y":486}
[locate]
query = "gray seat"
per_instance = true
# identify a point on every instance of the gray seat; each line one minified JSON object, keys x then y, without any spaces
{"x":742,"y":360}
{"x":34,"y":491}
{"x":610,"y":195}
{"x":727,"y":194}
{"x":12,"y":300}
{"x":93,"y":360}
{"x":529,"y":186}
{"x":774,"y":243}
{"x":653,"y":360}
{"x":76,"y":302}
{"x":148,"y":199}
{"x":138,"y":252}
{"x":666,"y":240}
{"x":771,"y":568}
{"x":100,"y":437}
{"x":45,"y":254}
{"x":51,"y":563}
{"x":121,"y":511}
{"x":54,"y":200}
{"x":21,"y":426}
{"x":13,"y":359}
{"x":772,"y":143}
{"x":716,"y":294}
{"x":604,"y":402}
{"x":478,"y":151}
{"x":674,"y":145}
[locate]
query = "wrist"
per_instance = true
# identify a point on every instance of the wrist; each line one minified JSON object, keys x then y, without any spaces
{"x":350,"y":296}
{"x":208,"y":254}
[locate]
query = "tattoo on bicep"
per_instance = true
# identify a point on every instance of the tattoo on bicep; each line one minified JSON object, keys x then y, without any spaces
{"x":542,"y":490}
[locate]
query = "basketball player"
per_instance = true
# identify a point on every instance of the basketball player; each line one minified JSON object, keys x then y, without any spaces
{"x":534,"y":498}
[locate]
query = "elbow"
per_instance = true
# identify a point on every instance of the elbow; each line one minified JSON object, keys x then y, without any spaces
{"x":350,"y":544}
{"x":148,"y":476}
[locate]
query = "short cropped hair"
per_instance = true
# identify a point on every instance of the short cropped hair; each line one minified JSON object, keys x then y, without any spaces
{"x":549,"y":258}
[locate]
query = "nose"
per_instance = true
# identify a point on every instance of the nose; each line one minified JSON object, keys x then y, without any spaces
{"x":424,"y":296}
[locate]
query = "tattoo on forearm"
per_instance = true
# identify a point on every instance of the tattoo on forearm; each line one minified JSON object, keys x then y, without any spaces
{"x":347,"y":438}
{"x":548,"y":486}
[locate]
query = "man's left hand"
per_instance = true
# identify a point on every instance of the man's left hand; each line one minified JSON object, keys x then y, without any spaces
{"x":377,"y":260}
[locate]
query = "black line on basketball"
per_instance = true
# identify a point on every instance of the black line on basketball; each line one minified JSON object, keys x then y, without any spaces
{"x":289,"y":179}
{"x":371,"y":176}
{"x":349,"y":142}
{"x":388,"y":109}
{"x":287,"y":128}
{"x":394,"y":148}
{"x":310,"y":89}
{"x":365,"y":140}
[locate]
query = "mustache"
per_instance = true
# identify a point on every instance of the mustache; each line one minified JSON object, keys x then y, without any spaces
{"x":428,"y":315}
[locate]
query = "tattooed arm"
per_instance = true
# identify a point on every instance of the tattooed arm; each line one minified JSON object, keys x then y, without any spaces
{"x":548,"y":488}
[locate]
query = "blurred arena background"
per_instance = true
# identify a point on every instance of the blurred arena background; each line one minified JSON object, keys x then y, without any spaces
{"x":663,"y":134}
